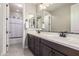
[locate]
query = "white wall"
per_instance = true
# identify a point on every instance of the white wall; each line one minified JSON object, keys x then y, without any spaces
{"x":75,"y":18}
{"x":2,"y":29}
{"x":29,"y":8}
{"x":61,"y":20}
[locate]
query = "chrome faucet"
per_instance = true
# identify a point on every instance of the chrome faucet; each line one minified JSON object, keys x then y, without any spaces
{"x":63,"y":34}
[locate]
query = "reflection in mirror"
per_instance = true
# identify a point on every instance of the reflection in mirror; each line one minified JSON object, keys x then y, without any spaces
{"x":32,"y":22}
{"x":47,"y":22}
{"x":56,"y":17}
{"x":39,"y":22}
{"x":26,"y":24}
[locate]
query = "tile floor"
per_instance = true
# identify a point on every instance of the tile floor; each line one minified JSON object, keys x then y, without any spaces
{"x":17,"y":50}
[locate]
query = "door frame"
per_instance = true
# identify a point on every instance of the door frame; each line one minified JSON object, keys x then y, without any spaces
{"x":7,"y":27}
{"x":8,"y":16}
{"x":5,"y":38}
{"x":24,"y":30}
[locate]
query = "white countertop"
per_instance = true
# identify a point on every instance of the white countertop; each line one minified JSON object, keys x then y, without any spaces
{"x":69,"y":41}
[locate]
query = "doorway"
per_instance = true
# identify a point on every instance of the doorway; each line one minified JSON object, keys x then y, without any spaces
{"x":15,"y":26}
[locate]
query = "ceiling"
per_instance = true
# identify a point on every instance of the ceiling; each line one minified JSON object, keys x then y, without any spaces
{"x":51,"y":7}
{"x":15,"y":8}
{"x":54,"y":6}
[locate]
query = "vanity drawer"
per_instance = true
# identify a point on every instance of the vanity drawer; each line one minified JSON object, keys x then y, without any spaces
{"x":62,"y":49}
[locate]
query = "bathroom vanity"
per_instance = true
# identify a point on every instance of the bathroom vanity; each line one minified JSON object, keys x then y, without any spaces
{"x":49,"y":43}
{"x":52,"y":45}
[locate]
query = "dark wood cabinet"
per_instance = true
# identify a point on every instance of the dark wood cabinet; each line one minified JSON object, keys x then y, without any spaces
{"x":29,"y":39}
{"x":45,"y":51}
{"x":31,"y":42}
{"x":64,"y":50}
{"x":36,"y":46}
{"x":48,"y":51}
{"x":43,"y":47}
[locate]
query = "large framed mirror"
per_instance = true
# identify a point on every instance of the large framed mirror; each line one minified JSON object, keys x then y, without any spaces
{"x":56,"y":17}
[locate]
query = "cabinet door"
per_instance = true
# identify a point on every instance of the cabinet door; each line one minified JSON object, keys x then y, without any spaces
{"x":31,"y":43}
{"x":45,"y":51}
{"x":36,"y":46}
{"x":28,"y":37}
